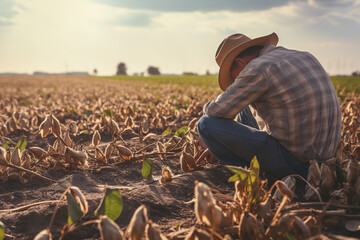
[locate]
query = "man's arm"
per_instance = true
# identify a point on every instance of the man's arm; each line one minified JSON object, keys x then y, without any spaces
{"x":245,"y":90}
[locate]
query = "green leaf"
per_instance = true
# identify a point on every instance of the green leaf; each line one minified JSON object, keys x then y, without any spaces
{"x":22,"y":143}
{"x":111,"y":205}
{"x":109,"y":112}
{"x":166,"y":132}
{"x":255,"y":167}
{"x":238,"y":169}
{"x":241,"y":174}
{"x":74,"y":210}
{"x":25,"y":102}
{"x":147,"y":168}
{"x":181,"y":131}
{"x":2,"y":231}
{"x":84,"y":132}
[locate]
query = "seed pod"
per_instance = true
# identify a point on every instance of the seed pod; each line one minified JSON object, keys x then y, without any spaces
{"x":80,"y":198}
{"x":73,"y":128}
{"x":109,"y":230}
{"x":16,"y":157}
{"x":124,"y":152}
{"x":43,"y":235}
{"x":290,"y":183}
{"x":284,"y":190}
{"x":187,"y":162}
{"x":250,"y":227}
{"x":96,"y":138}
{"x":166,"y":175}
{"x":3,"y":155}
{"x":78,"y":157}
{"x":153,"y":232}
{"x":327,"y":179}
{"x":314,"y":175}
{"x":45,"y":126}
{"x":56,"y":127}
{"x":137,"y":224}
{"x":37,"y":152}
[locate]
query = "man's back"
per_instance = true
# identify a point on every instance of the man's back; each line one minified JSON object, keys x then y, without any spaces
{"x":300,"y":107}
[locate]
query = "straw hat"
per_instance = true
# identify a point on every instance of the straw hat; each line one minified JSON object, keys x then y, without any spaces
{"x":233,"y":46}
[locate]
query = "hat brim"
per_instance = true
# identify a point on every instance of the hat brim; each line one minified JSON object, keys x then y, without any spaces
{"x":224,"y":77}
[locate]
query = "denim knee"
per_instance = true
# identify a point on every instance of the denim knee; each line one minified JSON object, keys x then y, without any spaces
{"x":203,"y":123}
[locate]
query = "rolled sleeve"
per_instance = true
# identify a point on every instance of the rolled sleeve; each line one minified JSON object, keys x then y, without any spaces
{"x":246,"y":89}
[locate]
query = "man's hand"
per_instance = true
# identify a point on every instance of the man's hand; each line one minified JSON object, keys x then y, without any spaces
{"x":206,"y":156}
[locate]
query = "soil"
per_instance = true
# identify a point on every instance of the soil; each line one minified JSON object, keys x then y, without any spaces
{"x":169,"y":206}
{"x":166,"y":204}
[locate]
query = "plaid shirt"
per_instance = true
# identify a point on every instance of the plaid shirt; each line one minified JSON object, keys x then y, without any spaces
{"x":291,"y":98}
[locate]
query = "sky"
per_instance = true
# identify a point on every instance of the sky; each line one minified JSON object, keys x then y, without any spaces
{"x":175,"y":35}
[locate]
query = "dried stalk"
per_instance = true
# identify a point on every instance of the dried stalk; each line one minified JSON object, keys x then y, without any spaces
{"x":27,"y":170}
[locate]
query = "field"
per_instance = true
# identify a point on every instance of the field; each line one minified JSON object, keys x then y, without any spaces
{"x":127,"y":141}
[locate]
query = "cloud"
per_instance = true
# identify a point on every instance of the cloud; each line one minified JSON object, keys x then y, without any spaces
{"x":133,"y":19}
{"x":332,"y":3}
{"x":7,"y":12}
{"x":198,"y":5}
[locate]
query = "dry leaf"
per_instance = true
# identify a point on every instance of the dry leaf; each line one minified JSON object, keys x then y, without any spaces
{"x":96,"y":138}
{"x":38,"y":153}
{"x":327,"y":179}
{"x":314,"y":175}
{"x":100,"y":155}
{"x":153,"y":232}
{"x":284,"y":190}
{"x":187,"y":162}
{"x":109,"y":230}
{"x":166,"y":175}
{"x":45,"y":126}
{"x":56,"y":127}
{"x":73,"y":128}
{"x":137,"y":224}
{"x":43,"y":235}
{"x":124,"y":152}
{"x":77,"y":157}
{"x":250,"y":227}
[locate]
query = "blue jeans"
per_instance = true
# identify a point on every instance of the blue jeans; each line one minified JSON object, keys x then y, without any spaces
{"x":236,"y":143}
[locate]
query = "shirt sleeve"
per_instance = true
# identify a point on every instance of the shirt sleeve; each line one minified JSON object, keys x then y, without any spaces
{"x":246,"y":88}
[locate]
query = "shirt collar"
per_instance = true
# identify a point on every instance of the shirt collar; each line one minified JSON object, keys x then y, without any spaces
{"x":266,"y":49}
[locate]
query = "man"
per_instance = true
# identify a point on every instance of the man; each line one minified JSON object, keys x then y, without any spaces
{"x":288,"y":110}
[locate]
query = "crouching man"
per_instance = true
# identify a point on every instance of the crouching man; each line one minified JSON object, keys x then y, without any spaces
{"x":277,"y":104}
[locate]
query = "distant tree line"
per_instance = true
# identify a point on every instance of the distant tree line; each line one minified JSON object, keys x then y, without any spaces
{"x":356,"y":73}
{"x":122,"y":70}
